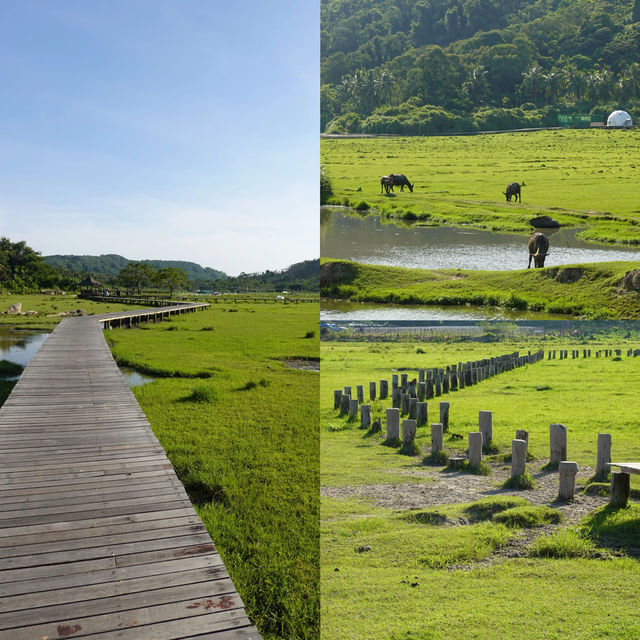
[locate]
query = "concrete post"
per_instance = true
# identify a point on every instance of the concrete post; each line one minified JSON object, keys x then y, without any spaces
{"x":620,"y":488}
{"x":395,"y":398}
{"x":393,"y":424}
{"x":422,"y":391}
{"x":372,"y":391}
{"x":604,"y":454}
{"x":568,"y":471}
{"x":485,"y":426}
{"x":403,"y":382}
{"x":475,"y":449}
{"x":522,"y":434}
{"x":404,"y":403}
{"x":408,"y":432}
{"x":384,"y":389}
{"x":422,"y":413}
{"x":429,"y":393}
{"x":347,"y":391}
{"x":444,"y":415}
{"x":344,"y":404}
{"x":336,"y":398}
{"x":413,"y":408}
{"x":436,"y":437}
{"x":365,"y":416}
{"x":360,"y":393}
{"x":558,"y":442}
{"x":353,"y":408}
{"x":518,"y":457}
{"x":394,"y":381}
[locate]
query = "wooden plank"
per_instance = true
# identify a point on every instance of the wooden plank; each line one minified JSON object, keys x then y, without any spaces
{"x":97,"y":536}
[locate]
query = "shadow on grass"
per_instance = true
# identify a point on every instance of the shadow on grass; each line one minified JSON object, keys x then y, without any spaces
{"x":615,"y":528}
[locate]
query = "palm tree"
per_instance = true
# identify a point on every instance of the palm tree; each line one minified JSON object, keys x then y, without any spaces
{"x":533,"y":83}
{"x":476,"y":85}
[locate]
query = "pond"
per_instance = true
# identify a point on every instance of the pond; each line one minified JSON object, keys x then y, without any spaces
{"x":135,"y":378}
{"x":19,"y":346}
{"x":365,"y":239}
{"x":345,"y":311}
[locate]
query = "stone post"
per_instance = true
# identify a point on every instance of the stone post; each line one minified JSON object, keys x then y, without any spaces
{"x":413,"y":408}
{"x":604,"y":454}
{"x":444,"y":415}
{"x":422,"y":391}
{"x":365,"y":416}
{"x":436,"y":437}
{"x":568,"y":471}
{"x":403,"y":382}
{"x":422,"y":413}
{"x":485,"y":426}
{"x":360,"y":393}
{"x":353,"y":408}
{"x":384,"y":389}
{"x":347,"y":391}
{"x":558,"y":443}
{"x":394,"y":381}
{"x":372,"y":391}
{"x":429,"y":393}
{"x":518,"y":457}
{"x":404,"y":403}
{"x":336,"y":398}
{"x":393,"y":424}
{"x":522,"y":434}
{"x":475,"y":449}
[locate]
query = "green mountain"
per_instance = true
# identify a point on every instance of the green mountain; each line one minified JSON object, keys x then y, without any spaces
{"x":438,"y":66}
{"x":111,"y":264}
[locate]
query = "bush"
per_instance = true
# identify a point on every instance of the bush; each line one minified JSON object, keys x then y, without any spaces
{"x":326,"y":189}
{"x":203,"y":393}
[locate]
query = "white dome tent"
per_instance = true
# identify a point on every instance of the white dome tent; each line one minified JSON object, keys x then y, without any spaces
{"x":619,"y":119}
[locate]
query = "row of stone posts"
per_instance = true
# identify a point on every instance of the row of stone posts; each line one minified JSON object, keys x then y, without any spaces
{"x":563,"y":354}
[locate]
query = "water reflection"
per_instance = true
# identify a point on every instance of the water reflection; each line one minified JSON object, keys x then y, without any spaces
{"x":135,"y":378}
{"x":343,"y":311}
{"x":366,"y":239}
{"x":19,"y":346}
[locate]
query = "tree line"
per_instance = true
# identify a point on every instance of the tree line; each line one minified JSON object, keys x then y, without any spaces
{"x":24,"y":270}
{"x":425,"y":66}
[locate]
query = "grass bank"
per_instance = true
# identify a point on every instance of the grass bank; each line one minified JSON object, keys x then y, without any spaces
{"x":244,"y":441}
{"x":401,"y":564}
{"x":580,"y":178}
{"x":600,"y":290}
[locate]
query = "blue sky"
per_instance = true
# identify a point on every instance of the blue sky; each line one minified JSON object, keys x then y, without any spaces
{"x":168,"y":129}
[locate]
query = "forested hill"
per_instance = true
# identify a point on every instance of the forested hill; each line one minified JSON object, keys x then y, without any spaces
{"x":431,"y":66}
{"x":111,"y":264}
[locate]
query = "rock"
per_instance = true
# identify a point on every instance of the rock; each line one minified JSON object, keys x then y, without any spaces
{"x":631,"y":281}
{"x":567,"y":276}
{"x":544,"y":222}
{"x":15,"y":309}
{"x":364,"y":547}
{"x":30,"y":313}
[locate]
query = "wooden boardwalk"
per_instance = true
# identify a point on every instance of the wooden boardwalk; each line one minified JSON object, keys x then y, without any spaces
{"x":97,"y":536}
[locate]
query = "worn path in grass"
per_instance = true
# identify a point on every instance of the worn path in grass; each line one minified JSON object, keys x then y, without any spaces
{"x":602,"y":290}
{"x":405,"y":554}
{"x":581,"y":178}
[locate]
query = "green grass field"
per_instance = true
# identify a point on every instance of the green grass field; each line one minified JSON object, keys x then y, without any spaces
{"x":45,"y":305}
{"x":240,"y":428}
{"x":413,"y":573}
{"x":598,"y":290}
{"x":581,"y":178}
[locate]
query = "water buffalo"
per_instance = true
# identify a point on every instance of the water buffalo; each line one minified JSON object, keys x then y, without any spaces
{"x":538,"y":249}
{"x":386,"y":183}
{"x":401,"y":181}
{"x":513,"y":189}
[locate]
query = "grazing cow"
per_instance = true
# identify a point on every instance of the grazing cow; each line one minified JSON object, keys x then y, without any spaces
{"x":513,"y":189}
{"x":401,"y":181}
{"x":538,"y":249}
{"x":386,"y":183}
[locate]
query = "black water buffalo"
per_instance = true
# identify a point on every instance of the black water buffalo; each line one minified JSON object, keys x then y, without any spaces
{"x":538,"y":249}
{"x":401,"y":181}
{"x":386,"y":183}
{"x":513,"y":189}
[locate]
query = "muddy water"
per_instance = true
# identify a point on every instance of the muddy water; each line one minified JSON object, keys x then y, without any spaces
{"x":343,"y":311}
{"x":366,"y":239}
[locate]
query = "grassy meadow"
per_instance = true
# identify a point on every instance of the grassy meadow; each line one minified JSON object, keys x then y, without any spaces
{"x":597,"y":290}
{"x":582,"y":178}
{"x":240,"y":428}
{"x":393,"y":568}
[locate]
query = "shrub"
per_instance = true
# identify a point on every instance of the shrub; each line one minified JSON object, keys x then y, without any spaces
{"x":310,"y":334}
{"x":203,"y":393}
